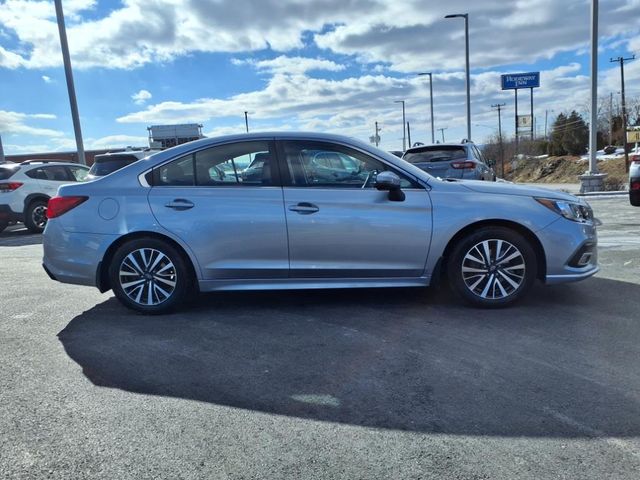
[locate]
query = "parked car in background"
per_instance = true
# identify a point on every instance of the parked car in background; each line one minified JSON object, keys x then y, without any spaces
{"x":169,"y":225}
{"x":634,"y":180}
{"x":451,"y":160}
{"x":25,"y":189}
{"x":110,"y":162}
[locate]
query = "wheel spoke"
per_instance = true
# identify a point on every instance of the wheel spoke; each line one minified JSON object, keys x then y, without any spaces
{"x":474,"y":270}
{"x":487,"y":286}
{"x":511,"y":282}
{"x":142,"y":285}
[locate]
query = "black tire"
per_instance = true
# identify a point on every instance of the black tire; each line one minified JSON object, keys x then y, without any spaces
{"x":634,"y":198}
{"x":35,"y":216}
{"x":499,"y":281}
{"x":159,"y":275}
{"x":3,"y":224}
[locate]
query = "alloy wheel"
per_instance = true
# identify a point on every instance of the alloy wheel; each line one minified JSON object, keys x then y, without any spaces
{"x":493,"y":269}
{"x":39,"y":216}
{"x":147,"y":276}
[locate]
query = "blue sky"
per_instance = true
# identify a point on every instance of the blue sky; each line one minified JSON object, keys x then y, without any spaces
{"x":331,"y":65}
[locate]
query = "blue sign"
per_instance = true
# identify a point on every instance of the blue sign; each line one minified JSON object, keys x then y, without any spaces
{"x":511,"y":81}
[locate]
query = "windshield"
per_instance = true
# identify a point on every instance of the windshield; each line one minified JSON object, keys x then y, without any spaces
{"x":6,"y":171}
{"x":438,"y":154}
{"x":104,"y":165}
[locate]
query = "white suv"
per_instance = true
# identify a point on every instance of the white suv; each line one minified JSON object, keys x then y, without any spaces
{"x":25,"y":189}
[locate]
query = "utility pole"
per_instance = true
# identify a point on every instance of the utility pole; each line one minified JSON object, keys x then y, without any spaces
{"x":376,"y":139}
{"x":593,"y":127}
{"x":404,"y":126}
{"x":611,"y":118}
{"x":64,"y":45}
{"x":441,"y":130}
{"x":433,"y":133}
{"x":499,"y":107}
{"x":621,"y":60}
{"x":246,"y":120}
{"x":409,"y":133}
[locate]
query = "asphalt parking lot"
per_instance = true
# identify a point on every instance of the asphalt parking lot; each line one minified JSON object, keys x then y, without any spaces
{"x":358,"y":384}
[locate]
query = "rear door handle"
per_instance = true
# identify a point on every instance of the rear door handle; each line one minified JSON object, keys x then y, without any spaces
{"x":180,"y":204}
{"x":304,"y":208}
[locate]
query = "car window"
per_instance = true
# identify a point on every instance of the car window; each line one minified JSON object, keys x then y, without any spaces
{"x":244,"y":163}
{"x":477,"y":154}
{"x":436,"y":154}
{"x":317,"y":164}
{"x":79,"y":173}
{"x":7,"y":172}
{"x":55,"y":173}
{"x":237,"y":164}
{"x":178,"y":173}
{"x":106,"y":164}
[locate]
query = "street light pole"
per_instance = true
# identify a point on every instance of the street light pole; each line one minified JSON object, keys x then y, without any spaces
{"x":404,"y":126}
{"x":64,"y":45}
{"x":2,"y":159}
{"x":246,"y":120}
{"x":433,"y":132}
{"x":467,"y":79}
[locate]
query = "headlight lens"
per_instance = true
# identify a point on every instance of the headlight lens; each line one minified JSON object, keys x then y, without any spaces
{"x":573,"y":211}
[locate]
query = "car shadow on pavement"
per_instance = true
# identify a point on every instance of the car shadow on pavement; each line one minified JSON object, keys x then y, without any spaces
{"x":561,"y":364}
{"x":18,"y":237}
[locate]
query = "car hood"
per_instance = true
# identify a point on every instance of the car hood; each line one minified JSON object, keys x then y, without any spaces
{"x":502,"y":188}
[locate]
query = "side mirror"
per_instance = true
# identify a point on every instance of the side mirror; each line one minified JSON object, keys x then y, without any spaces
{"x":390,"y":182}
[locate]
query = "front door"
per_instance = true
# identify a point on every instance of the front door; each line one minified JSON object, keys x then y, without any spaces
{"x":340,"y":226}
{"x":224,"y":202}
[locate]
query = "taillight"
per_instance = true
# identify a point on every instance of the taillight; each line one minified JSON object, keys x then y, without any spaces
{"x":635,"y":158}
{"x":635,"y":186}
{"x":10,"y":186}
{"x":60,"y":205}
{"x":463,"y":165}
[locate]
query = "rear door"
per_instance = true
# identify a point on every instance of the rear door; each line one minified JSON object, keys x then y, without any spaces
{"x":340,"y":226}
{"x":234,"y":225}
{"x":50,"y":177}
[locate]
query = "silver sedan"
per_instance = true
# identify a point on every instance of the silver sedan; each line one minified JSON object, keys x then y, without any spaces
{"x":316,"y":211}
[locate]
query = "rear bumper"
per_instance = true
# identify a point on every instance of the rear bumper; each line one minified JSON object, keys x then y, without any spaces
{"x":8,"y":215}
{"x":73,"y":257}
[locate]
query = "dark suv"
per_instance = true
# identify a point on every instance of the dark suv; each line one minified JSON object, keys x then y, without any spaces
{"x":451,"y":160}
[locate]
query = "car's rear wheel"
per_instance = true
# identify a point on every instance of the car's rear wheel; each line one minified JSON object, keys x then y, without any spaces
{"x":35,"y":217}
{"x":150,"y":276}
{"x":634,"y":198}
{"x":492,"y":267}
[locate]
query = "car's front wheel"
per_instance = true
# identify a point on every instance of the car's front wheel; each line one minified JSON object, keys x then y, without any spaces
{"x":35,"y":217}
{"x":492,"y":267}
{"x":149,"y":275}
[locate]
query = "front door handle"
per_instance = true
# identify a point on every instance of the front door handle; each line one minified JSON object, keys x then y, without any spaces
{"x":180,"y":204}
{"x":304,"y":208}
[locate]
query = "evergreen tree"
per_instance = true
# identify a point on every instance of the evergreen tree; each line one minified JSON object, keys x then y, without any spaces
{"x":555,"y":139}
{"x":575,"y":138}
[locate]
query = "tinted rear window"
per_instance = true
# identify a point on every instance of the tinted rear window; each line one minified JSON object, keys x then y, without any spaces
{"x":104,"y":165}
{"x":6,"y":172}
{"x":439,"y":154}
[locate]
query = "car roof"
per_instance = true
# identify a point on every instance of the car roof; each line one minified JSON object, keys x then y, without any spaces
{"x":41,"y":163}
{"x":435,"y":146}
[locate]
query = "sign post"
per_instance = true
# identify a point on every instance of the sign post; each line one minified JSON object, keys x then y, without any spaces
{"x":516,"y":81}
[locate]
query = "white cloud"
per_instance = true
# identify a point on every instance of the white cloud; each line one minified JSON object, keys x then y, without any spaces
{"x":291,"y":65}
{"x":16,"y":123}
{"x":117,"y":141}
{"x":410,"y":35}
{"x":46,"y":79}
{"x":141,"y":97}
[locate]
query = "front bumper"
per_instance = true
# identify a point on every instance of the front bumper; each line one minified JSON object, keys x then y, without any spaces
{"x":571,"y":250}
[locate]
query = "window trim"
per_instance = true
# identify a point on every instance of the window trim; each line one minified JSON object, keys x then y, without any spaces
{"x":276,"y":178}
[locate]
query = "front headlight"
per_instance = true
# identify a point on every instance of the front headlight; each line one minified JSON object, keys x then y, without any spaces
{"x":574,"y":211}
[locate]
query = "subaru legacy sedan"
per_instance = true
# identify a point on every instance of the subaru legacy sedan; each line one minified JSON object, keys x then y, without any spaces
{"x":171,"y":224}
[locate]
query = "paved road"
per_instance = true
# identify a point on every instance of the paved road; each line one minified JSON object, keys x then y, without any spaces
{"x":330,"y":384}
